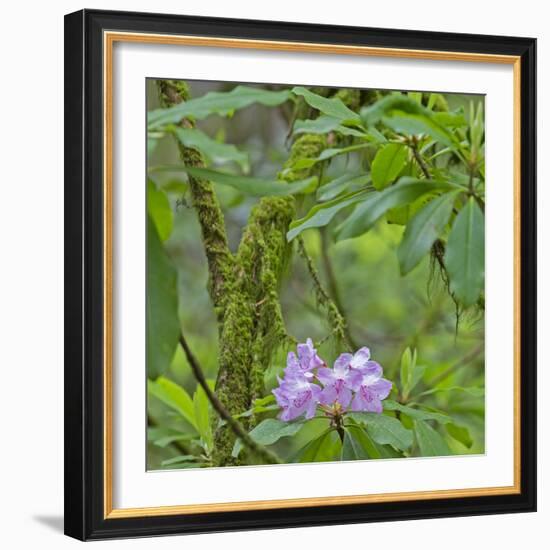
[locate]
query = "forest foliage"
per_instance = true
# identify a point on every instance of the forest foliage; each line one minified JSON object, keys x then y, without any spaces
{"x":354,"y":218}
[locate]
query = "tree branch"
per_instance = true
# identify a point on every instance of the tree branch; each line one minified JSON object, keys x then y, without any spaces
{"x":235,"y":425}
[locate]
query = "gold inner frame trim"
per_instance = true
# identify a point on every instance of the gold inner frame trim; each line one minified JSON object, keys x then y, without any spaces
{"x":109,"y":39}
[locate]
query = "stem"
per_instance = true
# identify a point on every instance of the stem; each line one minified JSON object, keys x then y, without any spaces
{"x":420,"y":160}
{"x":332,"y":284}
{"x":235,"y":425}
{"x":336,"y":318}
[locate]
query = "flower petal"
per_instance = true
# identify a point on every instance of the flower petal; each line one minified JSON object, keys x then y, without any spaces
{"x":328,"y":395}
{"x":344,"y":397}
{"x":360,"y":358}
{"x":341,"y":365}
{"x":372,"y":370}
{"x":326,"y":376}
{"x":381,"y":388}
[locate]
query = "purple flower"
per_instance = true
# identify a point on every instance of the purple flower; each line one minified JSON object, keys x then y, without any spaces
{"x":296,"y":395}
{"x":370,"y":389}
{"x":338,"y":382}
{"x":307,"y":356}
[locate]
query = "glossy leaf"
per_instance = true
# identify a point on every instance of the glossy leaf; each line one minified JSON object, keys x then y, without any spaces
{"x":421,"y":232}
{"x":162,"y":437}
{"x":217,"y":152}
{"x":460,"y":433}
{"x":416,"y":414}
{"x":414,"y":124}
{"x":322,"y":214}
{"x":429,"y":440}
{"x":220,"y":103}
{"x":369,"y":447}
{"x":343,"y":183}
{"x":323,"y":125}
{"x":465,"y":254}
{"x":332,"y":107}
{"x":202,"y":416}
{"x":174,"y":396}
{"x":270,"y":431}
{"x":255,"y":187}
{"x":320,"y":449}
{"x":163,"y":326}
{"x":404,"y":114}
{"x":385,"y":430}
{"x":374,"y":113}
{"x":351,"y":448}
{"x":366,"y":214}
{"x":387,"y":164}
{"x":159,"y":209}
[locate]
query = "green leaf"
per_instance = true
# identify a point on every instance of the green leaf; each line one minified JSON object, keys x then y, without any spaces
{"x":217,"y":152}
{"x":320,"y":449}
{"x":351,"y":448}
{"x":163,"y":326}
{"x":256,"y":187}
{"x":366,"y":214}
{"x":323,"y":125}
{"x":451,"y":120}
{"x":416,"y":414}
{"x":417,"y":375}
{"x":423,"y":230}
{"x":385,"y":430}
{"x":413,"y":124}
{"x":158,"y":208}
{"x":322,"y":214}
{"x":406,"y":370}
{"x":460,"y":433}
{"x":429,"y":440}
{"x":220,"y":103}
{"x":404,"y":114}
{"x":465,"y":254}
{"x":174,"y":396}
{"x":338,"y":185}
{"x":373,"y":114}
{"x":387,"y":164}
{"x":269,"y":431}
{"x":332,"y":107}
{"x":202,"y":416}
{"x":182,"y":461}
{"x":369,"y":447}
{"x":327,"y":154}
{"x":162,"y":437}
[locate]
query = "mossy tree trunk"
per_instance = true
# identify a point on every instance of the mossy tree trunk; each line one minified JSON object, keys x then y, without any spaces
{"x":244,"y":287}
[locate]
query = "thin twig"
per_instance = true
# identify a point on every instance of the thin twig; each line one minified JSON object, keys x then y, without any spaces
{"x":420,"y":160}
{"x":338,"y":322}
{"x":235,"y":425}
{"x":332,"y":283}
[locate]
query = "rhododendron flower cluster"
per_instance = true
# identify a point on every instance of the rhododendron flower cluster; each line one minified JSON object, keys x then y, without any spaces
{"x":354,"y":383}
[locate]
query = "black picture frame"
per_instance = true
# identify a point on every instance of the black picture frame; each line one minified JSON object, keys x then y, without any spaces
{"x":84,"y":282}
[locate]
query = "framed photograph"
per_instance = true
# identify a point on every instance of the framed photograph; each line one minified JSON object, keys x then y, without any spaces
{"x":300,"y":274}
